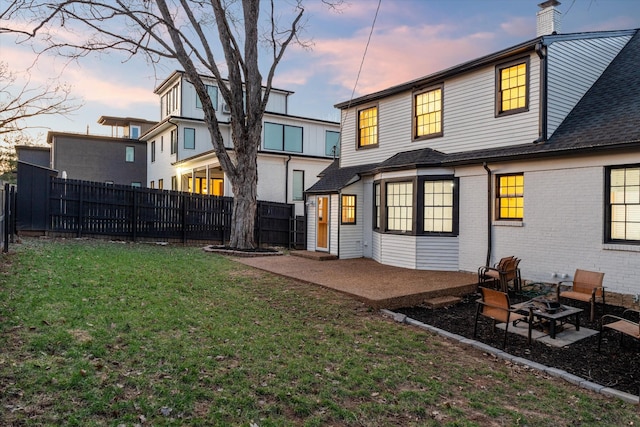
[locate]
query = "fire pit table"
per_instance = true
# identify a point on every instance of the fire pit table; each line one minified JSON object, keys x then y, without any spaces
{"x":543,"y":311}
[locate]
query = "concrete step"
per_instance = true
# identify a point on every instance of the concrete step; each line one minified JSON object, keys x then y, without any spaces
{"x":318,"y":256}
{"x":441,"y":302}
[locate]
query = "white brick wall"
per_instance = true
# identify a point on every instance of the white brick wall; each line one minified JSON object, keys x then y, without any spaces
{"x":563,"y":224}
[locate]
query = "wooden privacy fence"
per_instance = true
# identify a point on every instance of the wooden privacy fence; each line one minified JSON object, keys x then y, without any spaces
{"x":7,"y":215}
{"x":92,"y":208}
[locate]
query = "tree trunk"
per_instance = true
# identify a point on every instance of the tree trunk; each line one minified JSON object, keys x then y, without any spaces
{"x":244,"y":183}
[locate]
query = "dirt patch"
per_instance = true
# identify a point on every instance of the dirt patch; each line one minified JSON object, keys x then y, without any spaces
{"x":614,"y":366}
{"x":80,"y":335}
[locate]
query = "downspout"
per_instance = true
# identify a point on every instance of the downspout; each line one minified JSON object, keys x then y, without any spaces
{"x":541,"y":50}
{"x":489,"y":199}
{"x":286,"y":179}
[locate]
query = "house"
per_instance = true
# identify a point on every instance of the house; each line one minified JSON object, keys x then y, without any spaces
{"x":34,"y":154}
{"x":294,"y":150}
{"x":532,"y":151}
{"x":117,"y":159}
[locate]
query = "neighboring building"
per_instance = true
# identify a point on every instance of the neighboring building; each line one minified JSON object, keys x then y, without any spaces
{"x":34,"y":154}
{"x":117,"y":159}
{"x":293,"y":152}
{"x":532,"y":151}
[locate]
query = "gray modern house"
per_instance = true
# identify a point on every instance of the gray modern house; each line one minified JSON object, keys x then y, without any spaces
{"x":117,"y":159}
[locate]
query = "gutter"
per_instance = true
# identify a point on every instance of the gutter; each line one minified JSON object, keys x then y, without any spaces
{"x":286,"y":179}
{"x":489,"y":237}
{"x":541,"y":50}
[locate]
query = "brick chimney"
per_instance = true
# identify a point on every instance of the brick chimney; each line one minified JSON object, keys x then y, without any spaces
{"x":548,"y":18}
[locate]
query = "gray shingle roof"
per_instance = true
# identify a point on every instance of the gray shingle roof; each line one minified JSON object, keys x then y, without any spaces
{"x":609,"y":113}
{"x":335,"y":178}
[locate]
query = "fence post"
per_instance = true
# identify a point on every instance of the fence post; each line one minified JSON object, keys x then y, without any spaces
{"x":80,"y":209}
{"x":7,"y":219}
{"x":183,"y":197}
{"x":134,"y":214}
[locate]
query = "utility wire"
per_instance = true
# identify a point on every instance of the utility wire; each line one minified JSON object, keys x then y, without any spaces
{"x":364,"y":55}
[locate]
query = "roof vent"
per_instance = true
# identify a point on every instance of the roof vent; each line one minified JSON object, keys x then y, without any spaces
{"x":548,"y":18}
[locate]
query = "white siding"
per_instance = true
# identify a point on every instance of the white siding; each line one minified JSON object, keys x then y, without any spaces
{"x":277,"y":102}
{"x":311,"y":167}
{"x":334,"y":221}
{"x":469,"y":121}
{"x":351,"y":235}
{"x":367,"y":220}
{"x":397,"y":250}
{"x":572,"y":69}
{"x":437,"y":253}
{"x":311,"y":215}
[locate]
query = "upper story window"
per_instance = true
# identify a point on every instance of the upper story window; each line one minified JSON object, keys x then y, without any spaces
{"x":134,"y":132}
{"x":153,"y":151}
{"x":623,"y":204}
{"x":174,"y":141}
{"x":348,"y":209}
{"x":368,"y":127}
{"x":213,"y":95}
{"x":189,"y":138}
{"x":512,"y":87}
{"x":170,"y":101}
{"x":510,"y":196}
{"x":282,"y":137}
{"x":130,"y":154}
{"x":427,"y":115}
{"x":332,"y":143}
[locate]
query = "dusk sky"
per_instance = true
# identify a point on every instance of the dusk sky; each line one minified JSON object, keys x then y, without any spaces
{"x":411,"y":38}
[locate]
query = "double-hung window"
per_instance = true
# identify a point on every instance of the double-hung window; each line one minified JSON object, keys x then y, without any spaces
{"x":399,"y":206}
{"x":348,"y":209}
{"x":623,"y":204}
{"x":510,"y":196}
{"x":368,"y":127}
{"x":512,"y":87}
{"x":425,"y":205}
{"x":439,"y":206}
{"x":427,"y":112}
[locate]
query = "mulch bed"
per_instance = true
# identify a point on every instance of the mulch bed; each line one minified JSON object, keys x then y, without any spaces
{"x":615,"y":366}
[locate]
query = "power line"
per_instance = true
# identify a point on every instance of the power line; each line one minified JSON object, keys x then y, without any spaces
{"x":364,"y":55}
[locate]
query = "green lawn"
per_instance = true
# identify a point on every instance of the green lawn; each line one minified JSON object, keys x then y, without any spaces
{"x":106,"y":333}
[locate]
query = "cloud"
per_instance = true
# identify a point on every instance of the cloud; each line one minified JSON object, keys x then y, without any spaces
{"x":97,"y":81}
{"x":396,"y":54}
{"x":520,"y":27}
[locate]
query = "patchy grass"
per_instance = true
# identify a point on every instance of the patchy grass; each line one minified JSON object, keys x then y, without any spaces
{"x":102,"y":333}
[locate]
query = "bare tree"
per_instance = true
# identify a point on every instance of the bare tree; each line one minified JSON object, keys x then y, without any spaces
{"x":19,"y":102}
{"x":190,"y":32}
